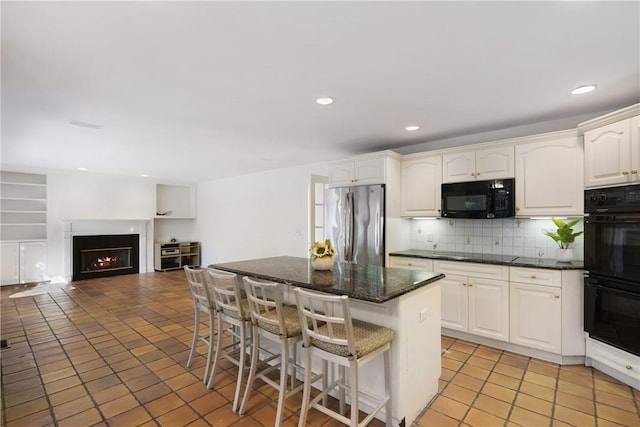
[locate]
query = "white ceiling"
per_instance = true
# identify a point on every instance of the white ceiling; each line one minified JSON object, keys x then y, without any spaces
{"x":190,"y":91}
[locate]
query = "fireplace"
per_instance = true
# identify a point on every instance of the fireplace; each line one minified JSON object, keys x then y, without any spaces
{"x":105,"y":255}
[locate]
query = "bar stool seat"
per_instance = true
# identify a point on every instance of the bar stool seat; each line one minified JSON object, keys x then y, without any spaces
{"x":329,"y":333}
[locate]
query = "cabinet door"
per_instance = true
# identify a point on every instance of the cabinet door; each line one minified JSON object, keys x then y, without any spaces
{"x":489,"y":308}
{"x":535,"y":315}
{"x":549,"y":178}
{"x":422,"y":186}
{"x":341,"y":174}
{"x":459,"y":167}
{"x":608,"y":155}
{"x":455,"y":303}
{"x":369,"y":171}
{"x":10,"y":264}
{"x":495,"y":163}
{"x":33,"y":262}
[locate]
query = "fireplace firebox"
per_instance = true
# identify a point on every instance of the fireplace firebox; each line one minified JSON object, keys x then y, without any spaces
{"x":105,"y":255}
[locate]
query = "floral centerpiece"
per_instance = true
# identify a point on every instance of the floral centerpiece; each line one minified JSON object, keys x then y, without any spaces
{"x":322,"y":254}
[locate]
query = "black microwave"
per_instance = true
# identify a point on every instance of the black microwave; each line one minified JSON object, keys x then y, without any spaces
{"x":478,"y":199}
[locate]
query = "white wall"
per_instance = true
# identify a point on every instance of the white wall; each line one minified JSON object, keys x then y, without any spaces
{"x":258,"y":215}
{"x":88,"y":196}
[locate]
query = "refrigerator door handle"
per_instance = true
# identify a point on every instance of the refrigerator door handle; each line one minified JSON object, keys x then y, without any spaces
{"x":348,"y":256}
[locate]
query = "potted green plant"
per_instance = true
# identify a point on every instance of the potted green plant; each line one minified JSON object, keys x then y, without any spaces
{"x":564,"y":236}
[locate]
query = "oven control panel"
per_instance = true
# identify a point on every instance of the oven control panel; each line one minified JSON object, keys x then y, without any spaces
{"x":613,"y":199}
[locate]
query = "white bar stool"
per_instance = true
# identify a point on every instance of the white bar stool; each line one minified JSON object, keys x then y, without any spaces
{"x":279,"y":323}
{"x":202,"y":302}
{"x":232,"y":310}
{"x":329,"y":333}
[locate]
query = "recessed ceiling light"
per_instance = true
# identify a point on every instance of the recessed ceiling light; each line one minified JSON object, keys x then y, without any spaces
{"x":324,"y":100}
{"x":583,"y":89}
{"x":83,"y":169}
{"x":412,"y":128}
{"x":144,"y":175}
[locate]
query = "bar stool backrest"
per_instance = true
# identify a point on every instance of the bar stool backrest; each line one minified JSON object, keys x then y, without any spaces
{"x":265,"y":304}
{"x":326,"y":318}
{"x":226,"y":293}
{"x":199,"y":285}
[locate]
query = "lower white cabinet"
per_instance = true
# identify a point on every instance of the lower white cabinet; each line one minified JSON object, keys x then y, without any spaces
{"x":535,"y":316}
{"x":475,"y":298}
{"x":23,"y":262}
{"x":546,"y":310}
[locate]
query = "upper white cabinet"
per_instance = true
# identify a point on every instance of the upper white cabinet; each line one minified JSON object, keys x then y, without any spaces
{"x":612,"y":148}
{"x":549,"y":175}
{"x":175,"y":201}
{"x":421,"y":186}
{"x":488,"y":163}
{"x":365,"y":170}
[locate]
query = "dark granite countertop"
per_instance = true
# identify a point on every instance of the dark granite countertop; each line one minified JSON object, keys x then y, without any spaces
{"x":509,"y":260}
{"x":363,"y":282}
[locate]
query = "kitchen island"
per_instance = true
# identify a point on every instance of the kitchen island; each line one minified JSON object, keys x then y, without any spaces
{"x":404,"y":300}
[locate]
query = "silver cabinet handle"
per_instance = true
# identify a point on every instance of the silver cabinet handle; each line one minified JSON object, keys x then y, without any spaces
{"x":629,"y":367}
{"x":625,"y":172}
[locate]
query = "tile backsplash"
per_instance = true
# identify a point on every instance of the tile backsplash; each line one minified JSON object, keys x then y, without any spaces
{"x":509,"y":236}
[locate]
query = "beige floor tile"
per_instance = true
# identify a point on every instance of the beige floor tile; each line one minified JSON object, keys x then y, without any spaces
{"x":460,"y":394}
{"x":613,"y":388}
{"x":450,"y":407}
{"x":540,"y":379}
{"x":509,"y":370}
{"x":466,"y":381}
{"x":477,"y":418}
{"x":618,"y":415}
{"x":475,"y":372}
{"x":434,"y":418}
{"x":488,"y":353}
{"x":573,"y":417}
{"x":525,"y":417}
{"x":504,"y":381}
{"x":533,"y":404}
{"x":499,"y":392}
{"x":617,"y":401}
{"x":492,"y":406}
{"x":574,"y":402}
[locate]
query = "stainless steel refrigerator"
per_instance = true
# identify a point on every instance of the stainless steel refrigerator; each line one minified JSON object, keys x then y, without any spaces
{"x":354,"y":221}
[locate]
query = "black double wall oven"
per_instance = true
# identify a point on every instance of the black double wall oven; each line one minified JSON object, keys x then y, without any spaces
{"x":612,"y":266}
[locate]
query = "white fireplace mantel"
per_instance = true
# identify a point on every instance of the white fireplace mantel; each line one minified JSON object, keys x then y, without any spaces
{"x":88,"y":227}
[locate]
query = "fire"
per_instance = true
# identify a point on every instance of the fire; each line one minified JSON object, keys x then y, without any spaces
{"x":106,"y":262}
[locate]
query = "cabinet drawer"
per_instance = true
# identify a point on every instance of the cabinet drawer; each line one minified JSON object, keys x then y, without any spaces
{"x":485,"y":271}
{"x":536,"y":276}
{"x":623,"y":362}
{"x":411,"y":263}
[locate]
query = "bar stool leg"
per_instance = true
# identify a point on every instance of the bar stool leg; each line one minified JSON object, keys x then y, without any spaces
{"x":196,"y":334}
{"x":306,"y":393}
{"x":241,"y":366}
{"x":284,"y":371}
{"x":353,"y":371}
{"x":255,"y":349}
{"x":341,"y":390}
{"x":387,"y":387}
{"x":216,"y":359}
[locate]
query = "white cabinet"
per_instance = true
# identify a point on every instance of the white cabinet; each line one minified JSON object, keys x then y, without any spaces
{"x":175,"y":201}
{"x":612,"y":154}
{"x":488,"y":163}
{"x":23,"y":262}
{"x":549,"y":175}
{"x":409,"y":263}
{"x":360,"y":171}
{"x":546,"y":310}
{"x":421,"y":186}
{"x":475,"y":298}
